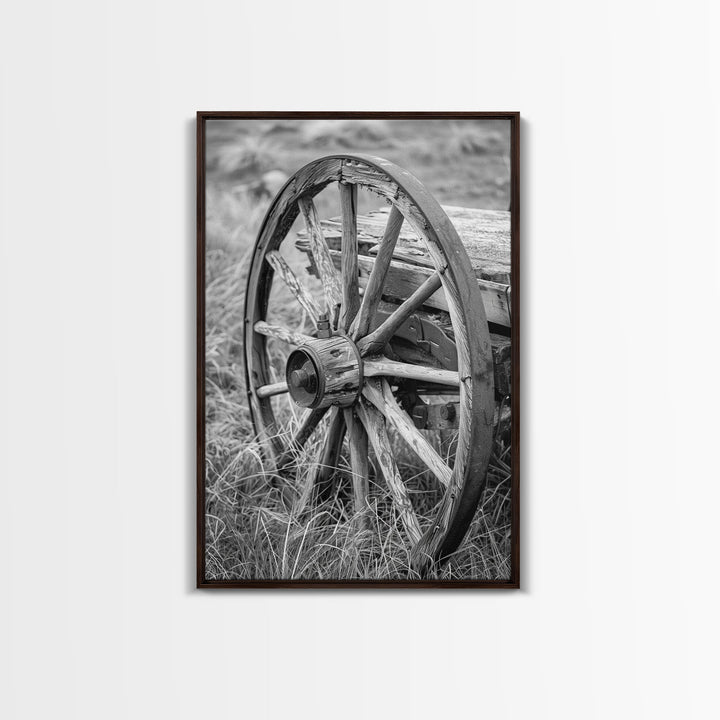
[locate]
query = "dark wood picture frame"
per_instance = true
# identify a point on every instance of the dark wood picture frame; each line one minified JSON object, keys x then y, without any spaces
{"x":514,"y":580}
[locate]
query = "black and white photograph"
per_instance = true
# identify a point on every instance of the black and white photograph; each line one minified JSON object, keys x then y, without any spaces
{"x":356,"y":354}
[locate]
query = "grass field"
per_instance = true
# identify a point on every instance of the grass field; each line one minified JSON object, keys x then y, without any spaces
{"x":252,"y":531}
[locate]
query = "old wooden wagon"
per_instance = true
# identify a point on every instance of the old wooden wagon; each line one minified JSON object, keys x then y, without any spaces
{"x":407,"y":330}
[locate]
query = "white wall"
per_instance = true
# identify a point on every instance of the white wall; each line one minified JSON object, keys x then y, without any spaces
{"x":618,"y":617}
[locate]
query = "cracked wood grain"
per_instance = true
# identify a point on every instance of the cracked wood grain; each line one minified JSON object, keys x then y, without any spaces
{"x":321,"y":254}
{"x":359,"y":463}
{"x":378,"y":274}
{"x":278,"y":264}
{"x":349,"y":261}
{"x":281,"y":333}
{"x":382,"y":366}
{"x":374,"y":423}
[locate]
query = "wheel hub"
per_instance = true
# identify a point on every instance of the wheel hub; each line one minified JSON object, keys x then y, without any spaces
{"x":324,"y":372}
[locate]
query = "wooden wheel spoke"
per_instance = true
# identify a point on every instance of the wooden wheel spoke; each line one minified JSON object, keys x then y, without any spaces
{"x":374,"y":423}
{"x":321,"y":254}
{"x":382,"y":366}
{"x":307,"y":427}
{"x":278,"y":264}
{"x":281,"y":333}
{"x":321,"y":474}
{"x":376,"y":281}
{"x":378,"y":392}
{"x":376,"y":340}
{"x":358,"y":442}
{"x":349,"y":256}
{"x":266,"y":391}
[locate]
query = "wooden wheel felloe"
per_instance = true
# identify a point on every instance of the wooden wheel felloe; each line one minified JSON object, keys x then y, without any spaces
{"x":349,"y":361}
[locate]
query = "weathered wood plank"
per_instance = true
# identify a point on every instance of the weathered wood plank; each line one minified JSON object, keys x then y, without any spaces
{"x":403,"y":279}
{"x":484,"y":233}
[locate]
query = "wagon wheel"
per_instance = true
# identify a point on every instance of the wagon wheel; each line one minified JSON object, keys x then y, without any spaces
{"x":340,"y":368}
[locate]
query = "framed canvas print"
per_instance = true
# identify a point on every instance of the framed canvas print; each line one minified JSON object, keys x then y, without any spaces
{"x":358,"y":349}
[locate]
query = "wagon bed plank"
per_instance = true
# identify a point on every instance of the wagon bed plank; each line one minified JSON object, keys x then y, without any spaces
{"x":484,"y":233}
{"x":403,"y":279}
